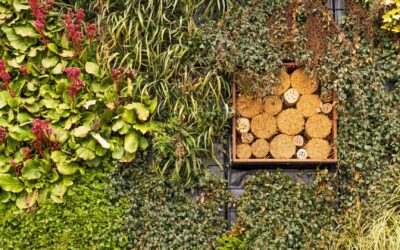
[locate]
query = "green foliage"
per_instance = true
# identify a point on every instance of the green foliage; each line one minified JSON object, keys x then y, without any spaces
{"x":280,"y":213}
{"x":391,"y":18}
{"x":161,"y":213}
{"x":162,"y":42}
{"x":85,"y":221}
{"x":93,"y":129}
{"x":233,"y":240}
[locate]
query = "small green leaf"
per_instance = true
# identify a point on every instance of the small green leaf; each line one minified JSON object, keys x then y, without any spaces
{"x":31,"y":169}
{"x":52,"y":47}
{"x":85,"y":153}
{"x":66,"y":168}
{"x":131,"y":142}
{"x":143,"y":143}
{"x":19,"y":6}
{"x":141,"y":110}
{"x":10,"y":183}
{"x":50,"y":62}
{"x":58,"y":156}
{"x":81,"y":131}
{"x":129,"y":116}
{"x":101,"y":140}
{"x":61,"y":187}
{"x":17,"y":42}
{"x":92,"y":68}
{"x":26,"y":31}
{"x":67,"y":53}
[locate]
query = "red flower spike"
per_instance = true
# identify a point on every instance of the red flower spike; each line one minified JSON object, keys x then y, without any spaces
{"x":44,"y":135}
{"x":77,"y":83}
{"x":23,"y":70}
{"x":3,"y":135}
{"x":40,"y":11}
{"x":80,"y":15}
{"x":91,"y":29}
{"x":5,"y":76}
{"x":27,"y":153}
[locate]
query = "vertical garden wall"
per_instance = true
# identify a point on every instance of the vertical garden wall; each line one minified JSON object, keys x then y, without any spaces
{"x":111,"y":112}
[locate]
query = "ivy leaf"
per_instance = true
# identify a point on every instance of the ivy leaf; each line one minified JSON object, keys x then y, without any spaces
{"x":10,"y":183}
{"x":31,"y":169}
{"x":50,"y":62}
{"x":131,"y":142}
{"x":92,"y":68}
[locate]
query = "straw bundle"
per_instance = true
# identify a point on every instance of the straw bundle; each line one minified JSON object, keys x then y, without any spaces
{"x":283,"y":83}
{"x":301,"y":81}
{"x":290,"y":122}
{"x":318,"y":149}
{"x":249,"y":107}
{"x":308,"y":105}
{"x":282,"y":147}
{"x":318,"y":126}
{"x":263,"y":126}
{"x":272,"y":105}
{"x":243,"y":151}
{"x":260,"y":148}
{"x":247,"y":138}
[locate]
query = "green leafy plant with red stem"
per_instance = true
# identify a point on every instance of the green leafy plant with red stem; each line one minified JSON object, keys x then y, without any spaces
{"x":60,"y":113}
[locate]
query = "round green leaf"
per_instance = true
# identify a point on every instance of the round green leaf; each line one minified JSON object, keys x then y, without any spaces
{"x":10,"y":183}
{"x":31,"y":169}
{"x":92,"y":68}
{"x":131,"y":142}
{"x":50,"y":62}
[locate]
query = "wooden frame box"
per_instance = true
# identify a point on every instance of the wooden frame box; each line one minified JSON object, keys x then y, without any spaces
{"x":287,"y":162}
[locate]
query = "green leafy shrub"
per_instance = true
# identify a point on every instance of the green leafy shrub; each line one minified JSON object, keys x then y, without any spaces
{"x":61,"y":113}
{"x":162,"y":213}
{"x":85,"y":221}
{"x":279,"y":213}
